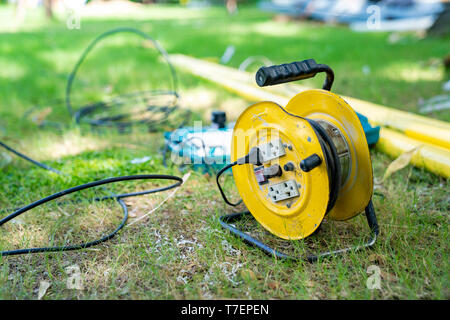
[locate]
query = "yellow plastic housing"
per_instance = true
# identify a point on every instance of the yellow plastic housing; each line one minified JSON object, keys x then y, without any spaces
{"x":293,"y":218}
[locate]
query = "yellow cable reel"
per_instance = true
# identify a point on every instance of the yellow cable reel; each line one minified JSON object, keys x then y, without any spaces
{"x":302,"y":197}
{"x":313,"y":160}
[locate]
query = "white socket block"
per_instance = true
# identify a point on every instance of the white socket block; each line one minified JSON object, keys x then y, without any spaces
{"x":272,"y":150}
{"x":284,"y":190}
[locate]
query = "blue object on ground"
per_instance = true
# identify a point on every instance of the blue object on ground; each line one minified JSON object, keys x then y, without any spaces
{"x":372,"y":133}
{"x":205,"y":149}
{"x":344,"y":11}
{"x":294,"y":8}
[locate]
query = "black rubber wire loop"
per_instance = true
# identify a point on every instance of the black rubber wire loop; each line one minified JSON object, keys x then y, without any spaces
{"x":106,"y":34}
{"x":332,"y":160}
{"x":91,"y":108}
{"x":105,"y":121}
{"x":115,"y":120}
{"x":118,"y":198}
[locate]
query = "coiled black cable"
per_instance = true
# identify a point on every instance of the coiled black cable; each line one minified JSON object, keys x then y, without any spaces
{"x":332,"y":161}
{"x":146,"y":107}
{"x":89,"y":185}
{"x":93,"y":113}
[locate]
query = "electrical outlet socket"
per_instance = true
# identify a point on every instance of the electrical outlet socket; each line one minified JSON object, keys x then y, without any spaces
{"x":283,"y":190}
{"x":272,"y":150}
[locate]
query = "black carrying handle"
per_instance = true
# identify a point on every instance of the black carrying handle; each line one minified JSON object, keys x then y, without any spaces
{"x":299,"y":70}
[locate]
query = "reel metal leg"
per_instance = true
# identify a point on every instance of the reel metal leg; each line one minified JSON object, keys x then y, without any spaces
{"x":225,"y":222}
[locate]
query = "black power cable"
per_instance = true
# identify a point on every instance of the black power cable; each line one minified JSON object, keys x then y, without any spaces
{"x":332,"y":161}
{"x":89,"y":185}
{"x":253,"y":157}
{"x":146,"y":107}
{"x":221,"y":171}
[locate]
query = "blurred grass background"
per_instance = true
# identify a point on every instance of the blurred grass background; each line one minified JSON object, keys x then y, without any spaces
{"x":150,"y":259}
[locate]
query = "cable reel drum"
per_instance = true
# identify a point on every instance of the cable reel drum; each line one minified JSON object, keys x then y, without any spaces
{"x":314,"y":161}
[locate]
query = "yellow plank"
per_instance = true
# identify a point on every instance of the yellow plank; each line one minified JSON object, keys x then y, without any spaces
{"x":415,"y":126}
{"x":421,"y":128}
{"x":430,"y":157}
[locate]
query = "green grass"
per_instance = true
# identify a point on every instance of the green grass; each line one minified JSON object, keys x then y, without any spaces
{"x":180,"y":251}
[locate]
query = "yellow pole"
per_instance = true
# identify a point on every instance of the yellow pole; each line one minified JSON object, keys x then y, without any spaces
{"x":415,"y":126}
{"x":432,"y":158}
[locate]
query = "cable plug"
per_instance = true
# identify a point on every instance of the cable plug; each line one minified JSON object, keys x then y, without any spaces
{"x":253,"y":157}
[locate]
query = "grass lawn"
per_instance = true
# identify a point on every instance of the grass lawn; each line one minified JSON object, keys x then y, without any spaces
{"x":180,"y":251}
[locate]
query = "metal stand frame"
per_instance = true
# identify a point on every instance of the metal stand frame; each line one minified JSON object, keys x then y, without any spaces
{"x":226,"y":221}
